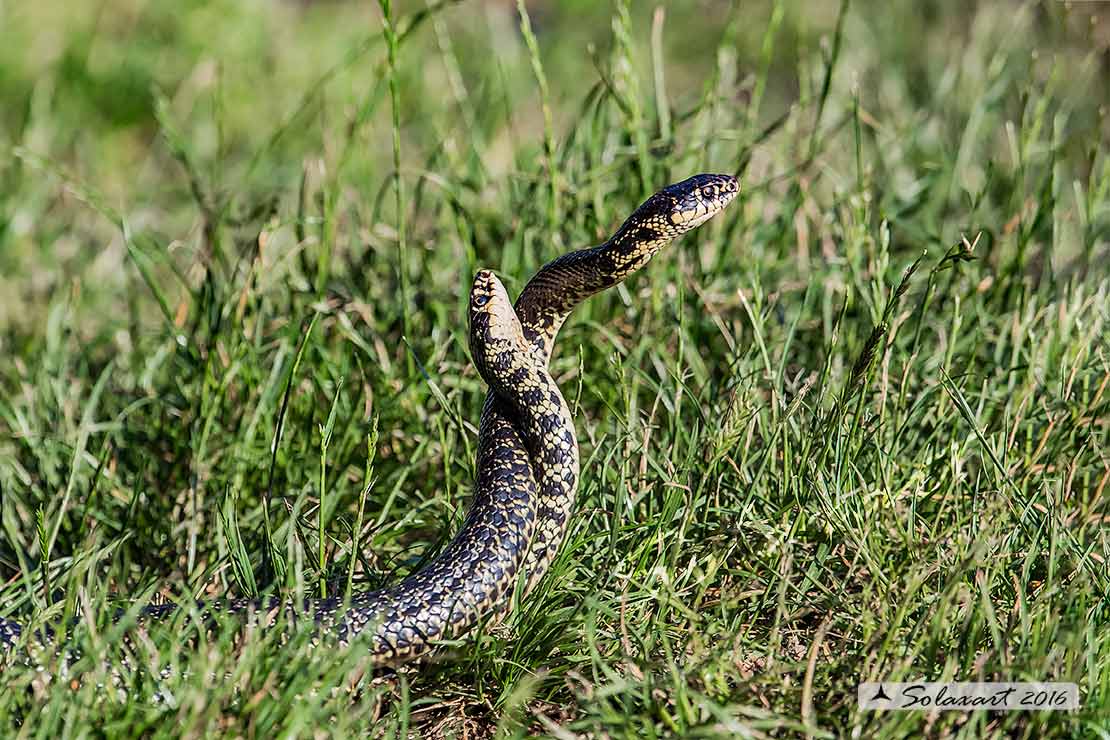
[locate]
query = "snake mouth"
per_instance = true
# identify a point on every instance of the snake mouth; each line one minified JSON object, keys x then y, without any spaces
{"x":693,"y":219}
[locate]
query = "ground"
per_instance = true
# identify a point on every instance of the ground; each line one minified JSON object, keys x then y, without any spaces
{"x":855,"y":428}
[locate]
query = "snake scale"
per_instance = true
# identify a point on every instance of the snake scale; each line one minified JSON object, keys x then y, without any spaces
{"x":527,"y":457}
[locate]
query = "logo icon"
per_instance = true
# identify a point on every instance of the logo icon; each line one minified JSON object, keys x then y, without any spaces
{"x":880,"y":695}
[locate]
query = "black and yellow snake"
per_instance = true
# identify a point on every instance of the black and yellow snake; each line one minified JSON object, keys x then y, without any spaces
{"x":527,"y":466}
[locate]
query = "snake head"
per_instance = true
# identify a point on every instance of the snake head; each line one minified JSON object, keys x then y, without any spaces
{"x":489,"y":301}
{"x":495,"y":329}
{"x":695,"y":200}
{"x":685,"y":205}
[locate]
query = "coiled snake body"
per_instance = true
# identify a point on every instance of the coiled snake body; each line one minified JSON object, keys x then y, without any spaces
{"x":527,"y":460}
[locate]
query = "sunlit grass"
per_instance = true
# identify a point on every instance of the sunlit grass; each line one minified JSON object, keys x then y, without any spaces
{"x":805,"y":464}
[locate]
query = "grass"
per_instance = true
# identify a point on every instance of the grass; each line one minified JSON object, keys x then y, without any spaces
{"x":857,"y":428}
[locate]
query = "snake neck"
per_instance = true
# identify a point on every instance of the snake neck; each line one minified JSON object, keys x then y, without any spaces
{"x":560,"y":285}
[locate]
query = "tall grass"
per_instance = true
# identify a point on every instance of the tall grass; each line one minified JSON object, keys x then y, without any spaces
{"x":854,"y":429}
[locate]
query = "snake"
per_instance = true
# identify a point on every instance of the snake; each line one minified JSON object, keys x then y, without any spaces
{"x":527,"y":464}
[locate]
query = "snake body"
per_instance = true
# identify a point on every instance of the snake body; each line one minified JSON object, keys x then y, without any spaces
{"x":560,"y":285}
{"x":527,"y":458}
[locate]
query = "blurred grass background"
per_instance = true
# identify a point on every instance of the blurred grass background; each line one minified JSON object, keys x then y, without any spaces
{"x":804,"y":463}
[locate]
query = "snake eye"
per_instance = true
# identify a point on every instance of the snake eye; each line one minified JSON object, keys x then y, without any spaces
{"x":481,"y":300}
